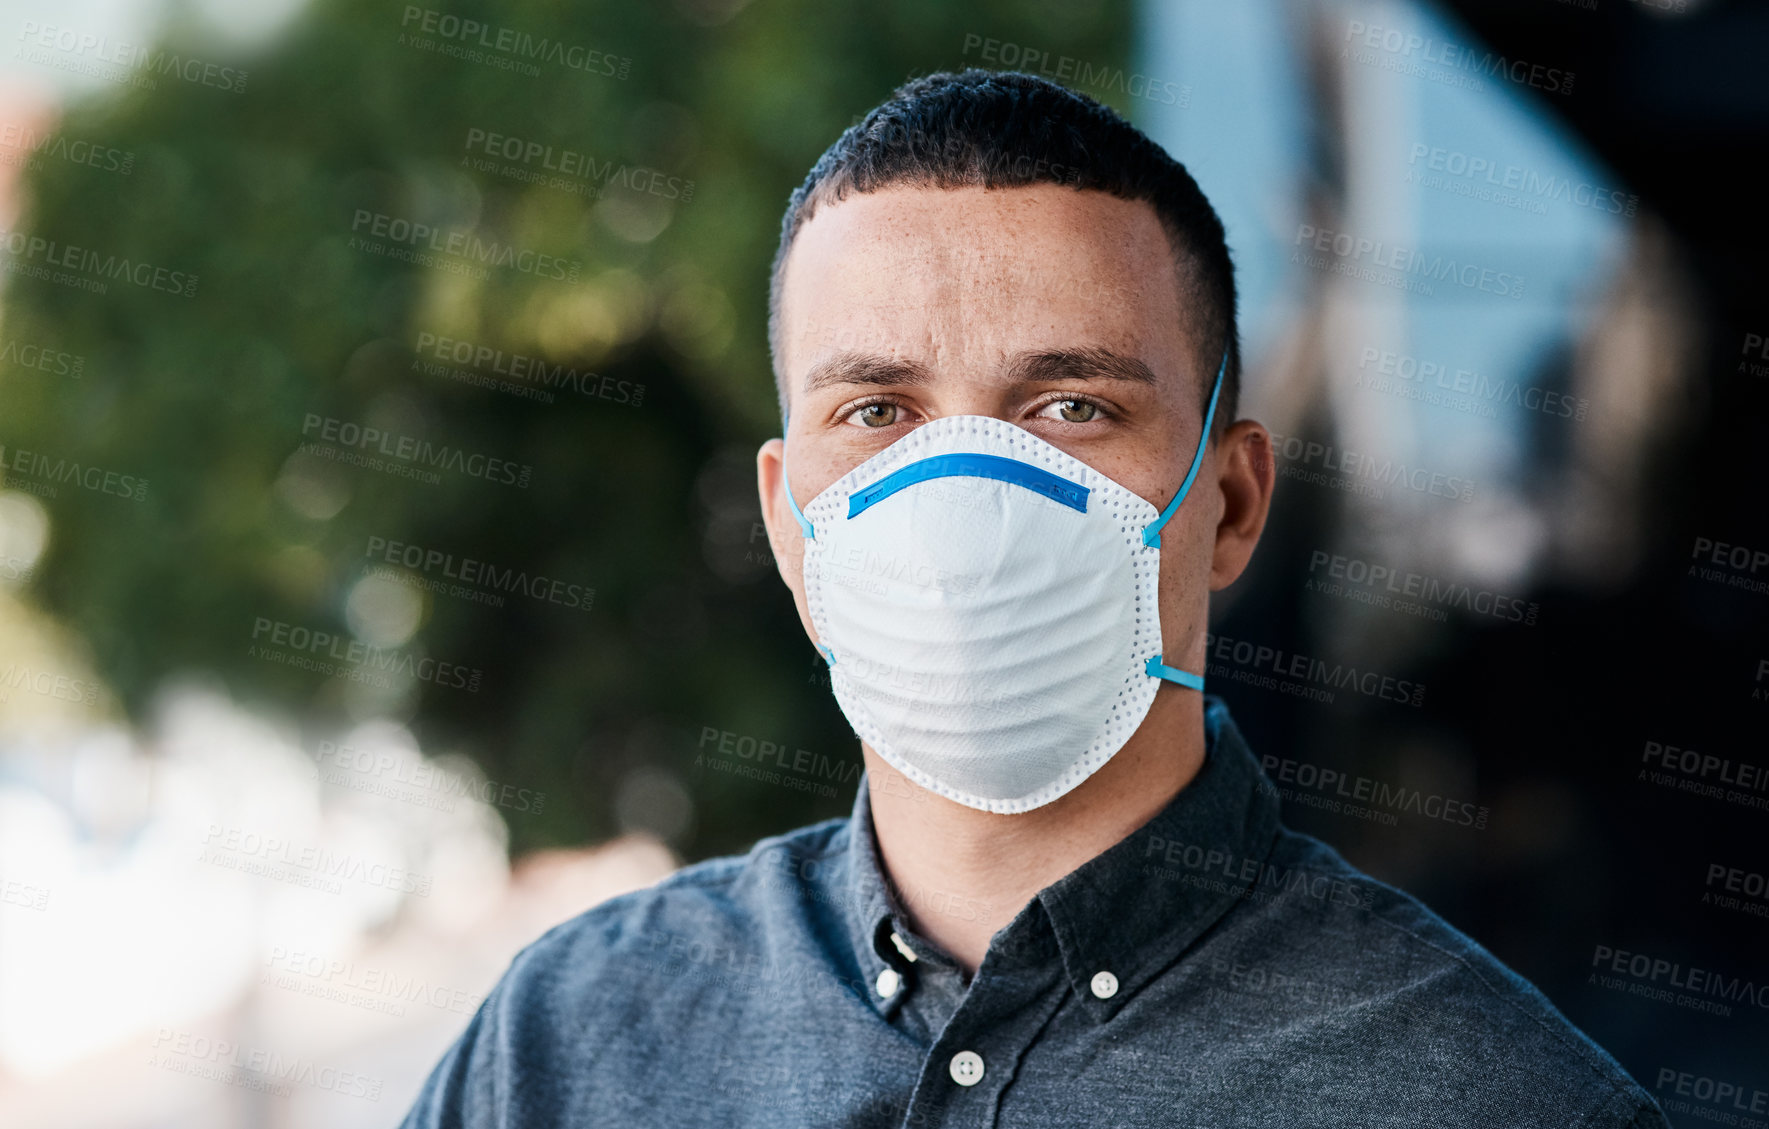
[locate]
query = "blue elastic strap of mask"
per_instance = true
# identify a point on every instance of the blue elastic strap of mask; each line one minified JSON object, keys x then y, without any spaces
{"x":1155,"y":668}
{"x":786,"y":484}
{"x":804,"y":522}
{"x":1151,"y":535}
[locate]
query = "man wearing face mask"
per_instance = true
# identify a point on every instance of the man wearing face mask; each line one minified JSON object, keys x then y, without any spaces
{"x":1011,"y":474}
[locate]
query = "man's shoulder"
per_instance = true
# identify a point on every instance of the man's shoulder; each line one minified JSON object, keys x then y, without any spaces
{"x":1375,"y":956}
{"x":1381,"y":939}
{"x":611,"y":994}
{"x":720,"y":912}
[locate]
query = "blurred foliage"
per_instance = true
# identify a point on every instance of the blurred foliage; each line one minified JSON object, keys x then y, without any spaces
{"x":653,"y":506}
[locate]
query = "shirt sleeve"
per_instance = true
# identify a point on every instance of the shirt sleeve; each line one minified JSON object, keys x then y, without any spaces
{"x":465,"y":1090}
{"x":520,"y":1061}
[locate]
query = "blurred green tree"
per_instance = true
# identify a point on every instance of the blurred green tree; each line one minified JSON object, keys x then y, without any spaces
{"x":595,"y":221}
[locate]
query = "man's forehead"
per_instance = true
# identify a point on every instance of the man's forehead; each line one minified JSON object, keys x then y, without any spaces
{"x":878,"y":269}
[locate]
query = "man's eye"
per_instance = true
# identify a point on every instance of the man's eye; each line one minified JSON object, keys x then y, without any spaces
{"x":1072,"y":411}
{"x":874,"y":415}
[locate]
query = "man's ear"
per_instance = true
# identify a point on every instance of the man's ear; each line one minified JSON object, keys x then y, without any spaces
{"x":1247,"y":478}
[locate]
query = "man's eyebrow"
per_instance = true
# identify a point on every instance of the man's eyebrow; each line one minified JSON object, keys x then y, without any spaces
{"x":865,"y":368}
{"x":1078,"y":364}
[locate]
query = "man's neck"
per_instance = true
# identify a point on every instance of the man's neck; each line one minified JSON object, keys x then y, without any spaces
{"x":962,"y":874}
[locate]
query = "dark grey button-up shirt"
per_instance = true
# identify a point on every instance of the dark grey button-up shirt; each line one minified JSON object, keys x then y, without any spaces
{"x":1212,"y":969}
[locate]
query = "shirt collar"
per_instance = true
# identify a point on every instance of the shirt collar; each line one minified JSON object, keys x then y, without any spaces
{"x":1132,"y":909}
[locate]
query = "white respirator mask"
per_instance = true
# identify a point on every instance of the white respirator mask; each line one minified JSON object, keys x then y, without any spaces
{"x":989,"y":608}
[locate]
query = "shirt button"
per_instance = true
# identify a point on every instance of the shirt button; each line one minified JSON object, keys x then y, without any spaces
{"x":966,"y":1068}
{"x":903,"y":947}
{"x":889,"y":982}
{"x":1105,"y":985}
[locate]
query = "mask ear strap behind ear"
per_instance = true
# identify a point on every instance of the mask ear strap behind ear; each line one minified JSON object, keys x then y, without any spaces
{"x":1152,"y":534}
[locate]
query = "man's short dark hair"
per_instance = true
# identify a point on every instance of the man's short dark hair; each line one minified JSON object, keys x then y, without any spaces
{"x":996,"y":129}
